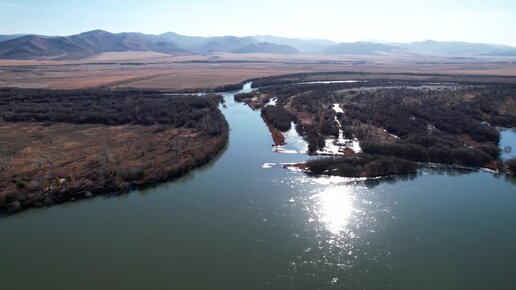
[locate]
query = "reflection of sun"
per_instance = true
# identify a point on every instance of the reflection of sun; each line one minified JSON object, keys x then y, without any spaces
{"x":335,"y":208}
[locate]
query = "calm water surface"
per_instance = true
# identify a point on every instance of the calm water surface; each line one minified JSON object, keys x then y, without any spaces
{"x":235,"y":225}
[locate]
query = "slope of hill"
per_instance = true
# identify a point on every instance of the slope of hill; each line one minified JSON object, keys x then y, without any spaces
{"x":33,"y":46}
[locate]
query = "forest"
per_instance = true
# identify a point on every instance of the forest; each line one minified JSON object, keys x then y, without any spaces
{"x":112,"y":107}
{"x":361,"y":166}
{"x":420,"y":121}
{"x":278,"y":117}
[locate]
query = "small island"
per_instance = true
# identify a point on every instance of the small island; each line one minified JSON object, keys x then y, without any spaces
{"x":386,"y":125}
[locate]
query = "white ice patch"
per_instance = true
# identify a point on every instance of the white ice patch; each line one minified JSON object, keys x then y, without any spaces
{"x":295,"y":144}
{"x":280,"y":149}
{"x":392,"y":135}
{"x":338,"y":146}
{"x":331,"y":82}
{"x":292,"y":167}
{"x":268,"y":165}
{"x":272,"y":102}
{"x":337,"y":108}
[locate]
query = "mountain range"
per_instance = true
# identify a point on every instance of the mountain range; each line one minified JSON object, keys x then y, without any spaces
{"x":99,"y":41}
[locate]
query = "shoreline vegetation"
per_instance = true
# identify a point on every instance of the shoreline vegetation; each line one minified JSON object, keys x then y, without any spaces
{"x":62,"y":145}
{"x":330,"y":167}
{"x":400,"y":124}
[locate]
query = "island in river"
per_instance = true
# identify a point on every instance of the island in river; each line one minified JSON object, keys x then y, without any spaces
{"x":61,"y":145}
{"x":385,"y":126}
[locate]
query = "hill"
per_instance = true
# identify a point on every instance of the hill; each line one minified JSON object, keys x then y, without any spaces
{"x":81,"y":45}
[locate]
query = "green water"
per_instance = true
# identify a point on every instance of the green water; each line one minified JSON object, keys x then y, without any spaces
{"x":235,"y":225}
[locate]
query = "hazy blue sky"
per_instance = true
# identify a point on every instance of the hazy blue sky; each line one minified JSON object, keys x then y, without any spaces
{"x":492,"y":21}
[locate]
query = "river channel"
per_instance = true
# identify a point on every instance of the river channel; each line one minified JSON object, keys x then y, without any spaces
{"x":234,"y":224}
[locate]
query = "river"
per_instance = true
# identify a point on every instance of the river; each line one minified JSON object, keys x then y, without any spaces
{"x":233,"y":224}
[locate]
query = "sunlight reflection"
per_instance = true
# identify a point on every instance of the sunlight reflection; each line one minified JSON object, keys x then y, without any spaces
{"x":335,"y":208}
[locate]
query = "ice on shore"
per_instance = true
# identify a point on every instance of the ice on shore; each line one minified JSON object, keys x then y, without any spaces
{"x":337,"y":146}
{"x":295,"y":144}
{"x":268,"y":165}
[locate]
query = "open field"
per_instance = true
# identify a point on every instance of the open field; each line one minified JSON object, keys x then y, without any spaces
{"x":178,"y":72}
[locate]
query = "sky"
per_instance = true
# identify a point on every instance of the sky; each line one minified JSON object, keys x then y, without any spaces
{"x":492,"y":21}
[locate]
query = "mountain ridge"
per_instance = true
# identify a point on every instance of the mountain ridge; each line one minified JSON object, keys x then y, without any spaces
{"x":80,"y":45}
{"x":98,"y":41}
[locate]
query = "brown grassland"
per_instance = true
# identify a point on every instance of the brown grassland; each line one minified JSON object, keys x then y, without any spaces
{"x":178,"y":72}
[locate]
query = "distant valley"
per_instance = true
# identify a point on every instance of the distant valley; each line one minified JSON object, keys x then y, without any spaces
{"x":98,"y":41}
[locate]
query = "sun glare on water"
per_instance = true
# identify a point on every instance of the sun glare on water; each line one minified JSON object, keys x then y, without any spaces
{"x":335,"y":208}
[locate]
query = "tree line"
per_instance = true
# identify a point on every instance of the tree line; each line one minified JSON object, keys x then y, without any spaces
{"x":361,"y":166}
{"x":112,"y":107}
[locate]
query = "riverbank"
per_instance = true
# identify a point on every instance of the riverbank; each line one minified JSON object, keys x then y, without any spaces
{"x":277,"y":137}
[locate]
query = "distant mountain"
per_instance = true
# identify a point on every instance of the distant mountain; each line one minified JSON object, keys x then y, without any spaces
{"x":81,"y":45}
{"x":33,"y":46}
{"x":303,"y":45}
{"x":191,"y":43}
{"x":503,"y":52}
{"x":428,"y":47}
{"x":98,"y":41}
{"x":226,"y":43}
{"x":455,"y":48}
{"x":362,"y":48}
{"x":266,"y":47}
{"x":208,"y":44}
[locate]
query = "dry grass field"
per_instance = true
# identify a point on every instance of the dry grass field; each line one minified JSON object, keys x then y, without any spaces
{"x":177,"y":72}
{"x":41,"y":164}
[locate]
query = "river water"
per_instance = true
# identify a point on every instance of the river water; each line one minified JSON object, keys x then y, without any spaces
{"x":236,"y":225}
